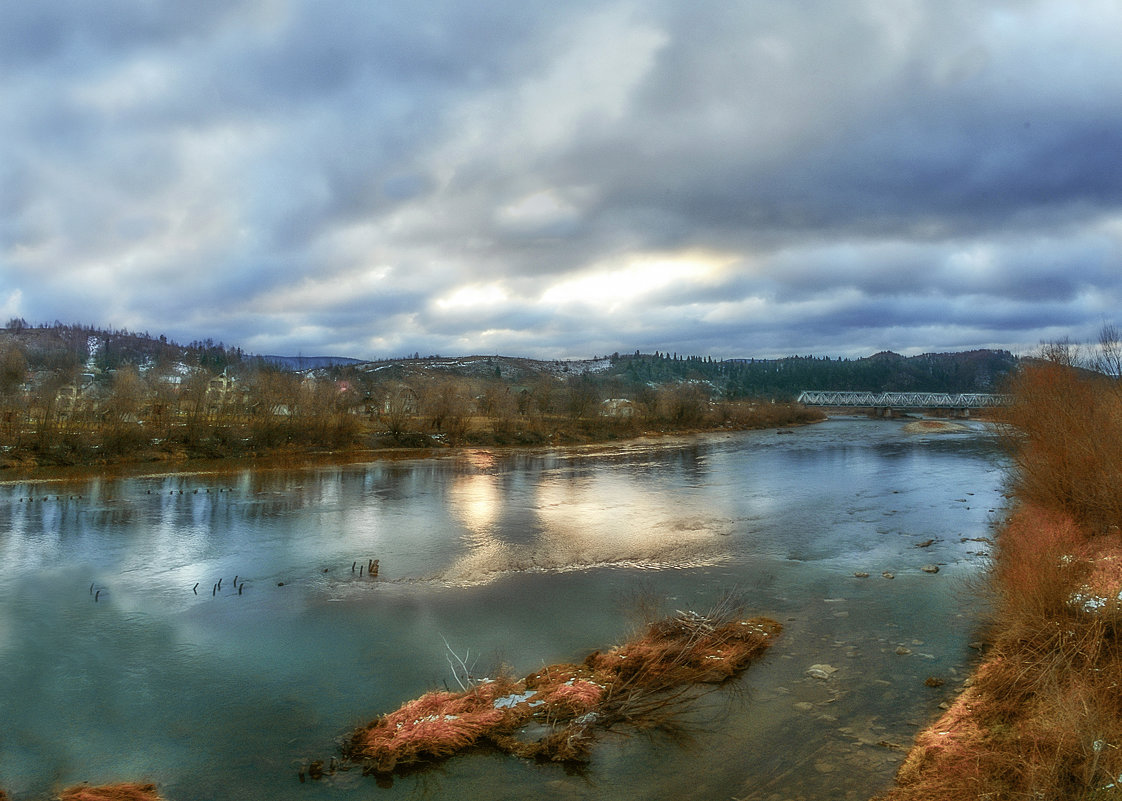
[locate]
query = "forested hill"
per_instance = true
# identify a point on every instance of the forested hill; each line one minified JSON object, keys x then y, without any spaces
{"x":970,"y":371}
{"x":68,"y":350}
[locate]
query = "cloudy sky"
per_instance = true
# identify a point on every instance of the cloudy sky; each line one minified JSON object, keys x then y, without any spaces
{"x":372,"y":178}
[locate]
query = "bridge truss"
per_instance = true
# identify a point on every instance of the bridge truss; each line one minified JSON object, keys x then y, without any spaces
{"x":902,"y":400}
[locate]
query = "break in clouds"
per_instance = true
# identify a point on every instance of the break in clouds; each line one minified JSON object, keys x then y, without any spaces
{"x":750,"y":179}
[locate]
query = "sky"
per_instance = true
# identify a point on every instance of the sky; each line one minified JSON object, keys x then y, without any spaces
{"x":374,"y":178}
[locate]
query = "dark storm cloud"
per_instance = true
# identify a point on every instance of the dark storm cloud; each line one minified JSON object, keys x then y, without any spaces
{"x":559,"y":179}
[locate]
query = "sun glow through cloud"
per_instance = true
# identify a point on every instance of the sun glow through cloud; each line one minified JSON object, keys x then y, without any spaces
{"x":614,"y":287}
{"x":473,"y":296}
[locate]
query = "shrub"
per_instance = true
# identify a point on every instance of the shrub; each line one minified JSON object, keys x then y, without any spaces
{"x":1065,"y":431}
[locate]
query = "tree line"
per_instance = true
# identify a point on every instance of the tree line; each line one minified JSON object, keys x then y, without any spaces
{"x":72,"y":394}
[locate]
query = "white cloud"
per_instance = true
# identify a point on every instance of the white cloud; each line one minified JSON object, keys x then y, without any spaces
{"x":619,"y":284}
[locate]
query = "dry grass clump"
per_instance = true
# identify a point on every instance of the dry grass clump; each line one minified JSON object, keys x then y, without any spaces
{"x":111,"y":792}
{"x":1040,"y":558}
{"x":686,"y":649}
{"x":436,"y":725}
{"x":1049,"y":729}
{"x":553,"y":714}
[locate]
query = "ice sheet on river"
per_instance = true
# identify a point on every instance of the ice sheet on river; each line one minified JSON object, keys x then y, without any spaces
{"x":675,"y":544}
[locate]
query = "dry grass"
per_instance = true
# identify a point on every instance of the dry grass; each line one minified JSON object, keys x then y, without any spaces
{"x":1065,"y":429}
{"x":1040,"y":556}
{"x":435,"y":726}
{"x":111,"y":792}
{"x":643,"y":683}
{"x":1043,"y":717}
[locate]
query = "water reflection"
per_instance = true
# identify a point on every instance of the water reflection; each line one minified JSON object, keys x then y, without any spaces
{"x":521,"y":557}
{"x":568,"y":517}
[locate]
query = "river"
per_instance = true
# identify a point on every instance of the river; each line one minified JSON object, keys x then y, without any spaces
{"x":116,"y":666}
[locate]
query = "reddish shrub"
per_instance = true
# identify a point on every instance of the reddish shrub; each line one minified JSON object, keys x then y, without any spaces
{"x":436,"y":725}
{"x":1040,"y":559}
{"x":111,"y":792}
{"x":1065,"y":430}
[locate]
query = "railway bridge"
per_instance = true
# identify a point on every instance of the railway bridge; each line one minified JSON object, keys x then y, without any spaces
{"x":884,"y":404}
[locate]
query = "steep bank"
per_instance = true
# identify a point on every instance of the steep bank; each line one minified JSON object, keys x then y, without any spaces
{"x":1042,"y":717}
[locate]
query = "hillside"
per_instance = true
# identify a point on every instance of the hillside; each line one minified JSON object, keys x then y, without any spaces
{"x":782,"y":379}
{"x":95,"y":353}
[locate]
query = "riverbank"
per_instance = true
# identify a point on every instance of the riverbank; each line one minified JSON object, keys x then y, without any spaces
{"x":225,"y":448}
{"x":1041,"y":717}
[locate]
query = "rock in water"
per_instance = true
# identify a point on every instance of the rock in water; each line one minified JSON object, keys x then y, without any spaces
{"x":930,"y":568}
{"x":821,"y":672}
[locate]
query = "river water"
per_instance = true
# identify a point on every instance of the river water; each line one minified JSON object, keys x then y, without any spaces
{"x":115,"y":666}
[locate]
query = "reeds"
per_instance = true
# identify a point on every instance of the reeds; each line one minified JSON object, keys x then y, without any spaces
{"x":643,"y":684}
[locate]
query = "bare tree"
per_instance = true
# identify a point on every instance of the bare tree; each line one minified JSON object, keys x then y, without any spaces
{"x":582,"y":398}
{"x":1107,"y":358}
{"x":683,"y":404}
{"x":13,"y":374}
{"x":502,"y":408}
{"x":1063,"y":352}
{"x":398,"y":408}
{"x":448,"y":406}
{"x":127,"y":396}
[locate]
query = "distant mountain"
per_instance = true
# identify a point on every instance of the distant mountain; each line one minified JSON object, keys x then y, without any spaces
{"x":300,"y":363}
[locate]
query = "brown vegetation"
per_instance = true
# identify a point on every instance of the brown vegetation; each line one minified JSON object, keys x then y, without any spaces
{"x":111,"y":792}
{"x":1042,"y":718}
{"x":127,"y":398}
{"x":554,"y":713}
{"x":1067,"y":443}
